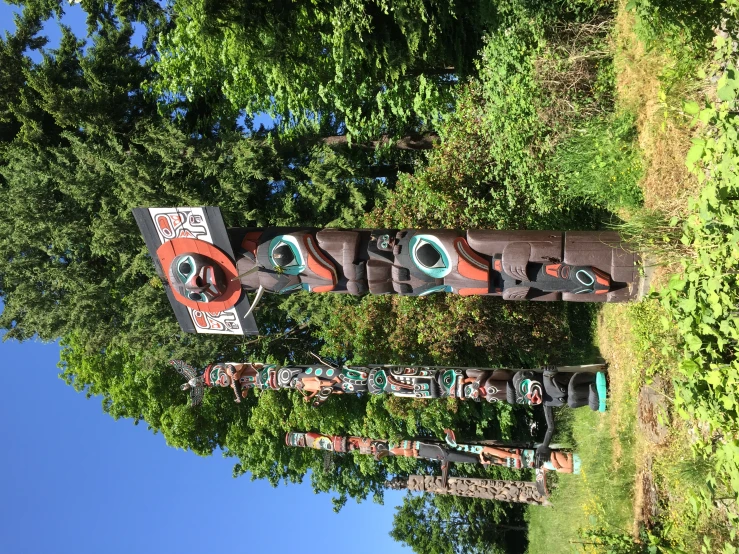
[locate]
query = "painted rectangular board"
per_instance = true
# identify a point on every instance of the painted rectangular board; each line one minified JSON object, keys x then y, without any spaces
{"x":160,"y":225}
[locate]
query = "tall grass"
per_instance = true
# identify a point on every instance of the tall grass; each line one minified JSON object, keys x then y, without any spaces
{"x":601,"y":162}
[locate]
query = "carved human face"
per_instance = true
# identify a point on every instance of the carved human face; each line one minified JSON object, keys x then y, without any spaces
{"x":218,"y":377}
{"x":532,"y":392}
{"x":197,"y":277}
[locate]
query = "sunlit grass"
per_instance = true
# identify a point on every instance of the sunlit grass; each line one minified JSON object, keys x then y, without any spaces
{"x":602,"y":494}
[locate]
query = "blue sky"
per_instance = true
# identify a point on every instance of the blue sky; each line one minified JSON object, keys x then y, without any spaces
{"x":74,"y":480}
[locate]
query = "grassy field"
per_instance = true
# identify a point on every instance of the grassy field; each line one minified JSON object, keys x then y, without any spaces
{"x":602,"y":492}
{"x":661,"y":475}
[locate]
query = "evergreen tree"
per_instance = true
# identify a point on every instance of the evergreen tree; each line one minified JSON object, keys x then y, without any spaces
{"x":453,"y":525}
{"x":376,"y":67}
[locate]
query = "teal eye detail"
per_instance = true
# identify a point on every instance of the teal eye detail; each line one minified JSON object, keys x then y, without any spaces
{"x":438,"y":288}
{"x":284,"y":252}
{"x":430,"y":256}
{"x":185,"y":268}
{"x":585,"y":278}
{"x":197,"y":297}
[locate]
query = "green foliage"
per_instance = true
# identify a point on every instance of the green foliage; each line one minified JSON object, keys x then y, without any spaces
{"x":612,"y":541}
{"x":685,"y":30}
{"x":377,"y":67}
{"x":702,"y":302}
{"x":602,"y":163}
{"x":449,"y":525}
{"x":690,"y":331}
{"x":677,"y":24}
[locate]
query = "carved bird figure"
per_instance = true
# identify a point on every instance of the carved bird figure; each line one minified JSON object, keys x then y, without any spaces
{"x":195,"y":382}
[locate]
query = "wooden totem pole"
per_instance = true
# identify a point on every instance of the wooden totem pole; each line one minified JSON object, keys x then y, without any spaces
{"x":452,"y":452}
{"x":550,"y":386}
{"x":526,"y":492}
{"x":208,"y":268}
{"x":484,"y":453}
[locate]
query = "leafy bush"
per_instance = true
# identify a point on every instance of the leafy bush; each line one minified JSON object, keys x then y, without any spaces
{"x":702,"y":302}
{"x":677,"y":24}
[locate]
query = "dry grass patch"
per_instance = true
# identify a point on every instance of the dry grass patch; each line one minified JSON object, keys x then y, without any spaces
{"x":615,"y":338}
{"x":664,"y":133}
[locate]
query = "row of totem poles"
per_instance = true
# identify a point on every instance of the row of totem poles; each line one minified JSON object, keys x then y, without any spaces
{"x":209,"y":269}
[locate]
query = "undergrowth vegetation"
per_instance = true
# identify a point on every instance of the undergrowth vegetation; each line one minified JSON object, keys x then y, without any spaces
{"x":681,"y":341}
{"x":600,"y":162}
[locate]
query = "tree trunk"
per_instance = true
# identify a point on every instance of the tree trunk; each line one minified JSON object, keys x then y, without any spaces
{"x":408,"y":142}
{"x":388,"y":171}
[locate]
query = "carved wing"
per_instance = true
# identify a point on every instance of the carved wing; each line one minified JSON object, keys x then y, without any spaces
{"x":189,"y":373}
{"x":515,"y":259}
{"x":184,"y":369}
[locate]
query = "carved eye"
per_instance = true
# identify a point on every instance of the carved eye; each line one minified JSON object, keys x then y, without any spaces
{"x":430,"y":256}
{"x":585,"y":278}
{"x":284,"y":252}
{"x":283,"y":255}
{"x":185,"y":268}
{"x":197,"y":297}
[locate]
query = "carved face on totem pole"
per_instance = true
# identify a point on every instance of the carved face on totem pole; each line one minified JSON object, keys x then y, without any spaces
{"x":193,"y":256}
{"x":217,"y":375}
{"x":208,"y":269}
{"x":197,"y":277}
{"x":317,"y":441}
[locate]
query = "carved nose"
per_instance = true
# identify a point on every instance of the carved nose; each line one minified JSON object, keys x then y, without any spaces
{"x":199,"y":282}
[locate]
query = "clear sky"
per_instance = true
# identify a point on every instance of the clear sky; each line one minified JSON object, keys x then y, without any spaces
{"x":73,"y":480}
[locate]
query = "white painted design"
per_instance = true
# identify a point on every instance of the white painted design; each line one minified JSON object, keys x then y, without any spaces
{"x":186,"y":222}
{"x":173,"y":223}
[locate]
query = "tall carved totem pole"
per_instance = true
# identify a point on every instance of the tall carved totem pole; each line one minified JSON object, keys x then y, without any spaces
{"x":551,"y":386}
{"x":452,"y":452}
{"x":208,"y":269}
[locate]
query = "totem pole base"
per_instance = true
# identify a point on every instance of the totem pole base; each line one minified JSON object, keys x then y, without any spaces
{"x":524,"y":492}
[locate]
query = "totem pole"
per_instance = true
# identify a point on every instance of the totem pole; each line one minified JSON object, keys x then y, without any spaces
{"x":486,"y":453}
{"x":526,"y":492}
{"x":453,"y":452}
{"x":551,"y":386}
{"x":208,"y":269}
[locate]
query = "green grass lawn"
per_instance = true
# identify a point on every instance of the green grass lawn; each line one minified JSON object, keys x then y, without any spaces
{"x":601,"y":494}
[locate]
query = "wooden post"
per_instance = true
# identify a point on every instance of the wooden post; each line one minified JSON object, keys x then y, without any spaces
{"x":525,"y":492}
